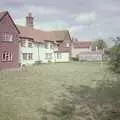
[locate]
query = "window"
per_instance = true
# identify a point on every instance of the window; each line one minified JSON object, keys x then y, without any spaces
{"x":6,"y":37}
{"x":46,"y":45}
{"x":68,"y":45}
{"x":27,"y":56}
{"x":7,"y":56}
{"x":41,"y":45}
{"x":51,"y":46}
{"x":29,"y":44}
{"x":30,"y":56}
{"x":24,"y":56}
{"x":59,"y":55}
{"x":23,"y":42}
{"x":48,"y":55}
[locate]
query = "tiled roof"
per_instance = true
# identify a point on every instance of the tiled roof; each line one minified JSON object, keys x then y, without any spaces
{"x":40,"y":36}
{"x":60,"y":35}
{"x":35,"y":34}
{"x":81,"y":44}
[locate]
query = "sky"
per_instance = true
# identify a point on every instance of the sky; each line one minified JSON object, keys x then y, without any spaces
{"x":85,"y":19}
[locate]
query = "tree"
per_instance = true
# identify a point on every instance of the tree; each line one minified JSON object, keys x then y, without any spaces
{"x":101,"y":44}
{"x":115,"y":56}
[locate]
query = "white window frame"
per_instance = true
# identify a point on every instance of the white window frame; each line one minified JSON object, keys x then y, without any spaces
{"x":59,"y":55}
{"x":6,"y":37}
{"x":23,"y":42}
{"x":30,"y":46}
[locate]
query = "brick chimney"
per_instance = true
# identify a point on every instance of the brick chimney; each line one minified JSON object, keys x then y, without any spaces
{"x":29,"y":20}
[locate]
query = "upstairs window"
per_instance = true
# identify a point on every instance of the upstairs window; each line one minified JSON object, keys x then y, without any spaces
{"x":23,"y":43}
{"x":7,"y":56}
{"x":46,"y":45}
{"x":6,"y":37}
{"x":51,"y":46}
{"x":30,"y":44}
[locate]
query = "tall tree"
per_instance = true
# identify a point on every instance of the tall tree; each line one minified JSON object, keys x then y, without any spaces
{"x":115,"y":55}
{"x":101,"y":44}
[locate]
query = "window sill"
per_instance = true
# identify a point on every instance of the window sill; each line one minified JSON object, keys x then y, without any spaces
{"x":7,"y":61}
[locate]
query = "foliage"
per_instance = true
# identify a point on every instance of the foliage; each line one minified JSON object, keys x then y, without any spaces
{"x":100,"y":44}
{"x":115,"y":56}
{"x":86,"y":103}
{"x":75,"y":58}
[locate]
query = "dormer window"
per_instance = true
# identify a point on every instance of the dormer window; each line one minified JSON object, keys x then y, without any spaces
{"x":51,"y":46}
{"x":6,"y":37}
{"x":23,"y":43}
{"x":46,"y":45}
{"x":30,"y":44}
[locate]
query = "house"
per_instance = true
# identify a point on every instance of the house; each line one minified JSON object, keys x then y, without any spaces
{"x":43,"y":46}
{"x":9,"y":42}
{"x":91,"y":56}
{"x":80,"y":46}
{"x":86,"y":50}
{"x":63,"y":42}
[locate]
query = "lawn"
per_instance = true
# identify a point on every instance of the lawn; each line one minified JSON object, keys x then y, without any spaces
{"x":23,"y":92}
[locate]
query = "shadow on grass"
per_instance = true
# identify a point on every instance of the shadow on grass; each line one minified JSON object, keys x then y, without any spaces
{"x":86,"y":103}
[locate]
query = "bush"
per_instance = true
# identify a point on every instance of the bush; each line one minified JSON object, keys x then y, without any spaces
{"x":38,"y":62}
{"x":75,"y":58}
{"x":115,"y":58}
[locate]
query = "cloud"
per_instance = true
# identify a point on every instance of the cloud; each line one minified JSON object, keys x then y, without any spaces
{"x":85,"y":18}
{"x":41,"y":10}
{"x":52,"y":25}
{"x":20,"y":21}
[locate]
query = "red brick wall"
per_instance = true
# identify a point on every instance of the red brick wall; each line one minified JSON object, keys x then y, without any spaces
{"x":6,"y":25}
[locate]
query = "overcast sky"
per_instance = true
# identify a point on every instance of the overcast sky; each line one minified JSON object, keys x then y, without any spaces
{"x":86,"y":19}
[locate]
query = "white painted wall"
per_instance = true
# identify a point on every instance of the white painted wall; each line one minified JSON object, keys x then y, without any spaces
{"x":37,"y":50}
{"x":65,"y":57}
{"x":91,"y":56}
{"x":39,"y":53}
{"x":76,"y":51}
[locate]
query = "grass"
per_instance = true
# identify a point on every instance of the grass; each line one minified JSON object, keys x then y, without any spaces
{"x":23,"y":92}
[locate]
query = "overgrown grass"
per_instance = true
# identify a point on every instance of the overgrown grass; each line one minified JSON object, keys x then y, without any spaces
{"x":23,"y":92}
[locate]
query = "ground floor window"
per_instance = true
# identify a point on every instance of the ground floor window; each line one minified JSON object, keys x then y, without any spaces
{"x":30,"y":56}
{"x":59,"y":55}
{"x":27,"y":56}
{"x":48,"y":55}
{"x":7,"y":56}
{"x":24,"y":56}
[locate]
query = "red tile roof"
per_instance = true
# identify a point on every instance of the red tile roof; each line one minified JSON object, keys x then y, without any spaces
{"x":35,"y":34}
{"x":81,"y":44}
{"x":41,"y":36}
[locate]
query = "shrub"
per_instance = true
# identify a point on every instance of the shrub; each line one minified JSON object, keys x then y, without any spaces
{"x":75,"y":58}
